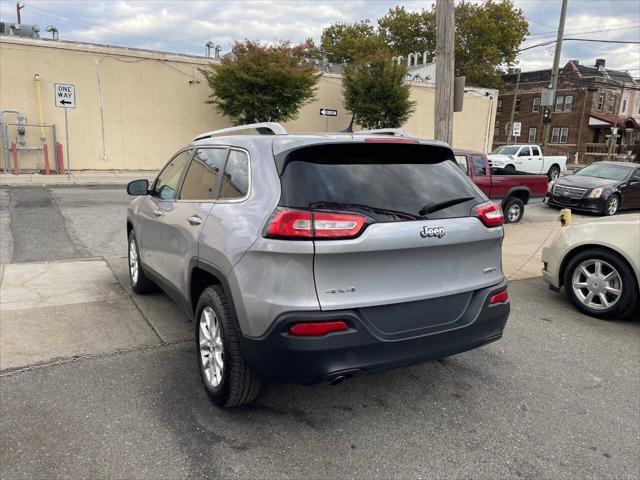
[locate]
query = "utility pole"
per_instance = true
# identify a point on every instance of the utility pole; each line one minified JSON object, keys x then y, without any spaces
{"x":554,"y":72}
{"x":513,"y":105}
{"x":18,"y":8}
{"x":445,"y":43}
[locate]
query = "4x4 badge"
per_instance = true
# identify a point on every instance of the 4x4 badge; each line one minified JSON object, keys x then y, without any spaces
{"x":432,"y":232}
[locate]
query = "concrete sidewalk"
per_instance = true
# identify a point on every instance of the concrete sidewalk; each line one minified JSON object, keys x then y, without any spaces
{"x":76,"y":178}
{"x":57,"y":310}
{"x":522,"y":248}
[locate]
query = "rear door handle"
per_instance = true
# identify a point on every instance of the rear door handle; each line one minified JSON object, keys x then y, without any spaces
{"x":194,"y":220}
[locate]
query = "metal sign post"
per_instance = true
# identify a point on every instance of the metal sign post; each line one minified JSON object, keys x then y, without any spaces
{"x":65,"y":98}
{"x":326,"y":113}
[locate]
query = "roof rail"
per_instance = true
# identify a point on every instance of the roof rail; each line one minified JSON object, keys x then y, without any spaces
{"x":263,"y":128}
{"x":385,"y":131}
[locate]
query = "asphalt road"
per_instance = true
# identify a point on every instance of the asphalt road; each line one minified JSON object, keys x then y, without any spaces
{"x":64,"y":223}
{"x":556,"y":398}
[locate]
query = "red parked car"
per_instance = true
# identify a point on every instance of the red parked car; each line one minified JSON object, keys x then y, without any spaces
{"x":513,"y":189}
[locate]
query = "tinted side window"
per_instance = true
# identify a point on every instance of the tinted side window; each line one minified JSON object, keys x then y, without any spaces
{"x":200,"y":180}
{"x":535,"y":151}
{"x":235,"y":183}
{"x":524,"y":152}
{"x":478,"y":165}
{"x":167,"y":183}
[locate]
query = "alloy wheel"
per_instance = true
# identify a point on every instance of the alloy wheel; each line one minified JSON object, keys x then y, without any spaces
{"x":513,"y":214}
{"x":597,"y":284}
{"x":133,"y":261}
{"x":211,"y":347}
{"x":612,"y":206}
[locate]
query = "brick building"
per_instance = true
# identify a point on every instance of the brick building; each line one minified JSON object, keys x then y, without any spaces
{"x":589,"y":102}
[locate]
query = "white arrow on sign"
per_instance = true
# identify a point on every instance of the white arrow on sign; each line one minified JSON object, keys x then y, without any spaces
{"x":328,"y":112}
{"x":65,"y":95}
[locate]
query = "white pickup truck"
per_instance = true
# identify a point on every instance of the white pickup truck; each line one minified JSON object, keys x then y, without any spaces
{"x":527,"y":158}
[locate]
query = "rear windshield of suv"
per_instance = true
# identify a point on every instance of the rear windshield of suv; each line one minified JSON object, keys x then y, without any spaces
{"x":386,"y":181}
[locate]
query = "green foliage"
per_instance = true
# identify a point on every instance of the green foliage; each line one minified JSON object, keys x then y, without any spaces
{"x":256,"y":83}
{"x":487,"y":38}
{"x":405,"y":32}
{"x":354,"y":42}
{"x":375,"y":92}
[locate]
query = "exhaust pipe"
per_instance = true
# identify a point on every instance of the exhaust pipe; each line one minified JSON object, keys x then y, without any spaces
{"x":337,"y":380}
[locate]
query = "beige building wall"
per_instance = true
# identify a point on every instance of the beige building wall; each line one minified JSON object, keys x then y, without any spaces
{"x":135,"y":107}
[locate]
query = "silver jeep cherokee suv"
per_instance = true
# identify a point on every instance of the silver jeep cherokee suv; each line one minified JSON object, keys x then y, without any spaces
{"x":304,"y":258}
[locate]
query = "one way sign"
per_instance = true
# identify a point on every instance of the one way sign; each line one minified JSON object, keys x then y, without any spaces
{"x":328,"y":112}
{"x":65,"y":95}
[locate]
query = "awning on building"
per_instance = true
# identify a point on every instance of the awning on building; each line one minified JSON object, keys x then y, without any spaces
{"x":600,"y":120}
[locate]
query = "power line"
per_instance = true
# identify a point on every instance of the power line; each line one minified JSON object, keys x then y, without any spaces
{"x":93,"y":25}
{"x":543,"y":44}
{"x":591,"y":31}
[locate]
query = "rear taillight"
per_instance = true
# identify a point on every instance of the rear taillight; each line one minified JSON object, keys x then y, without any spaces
{"x":500,"y":297}
{"x":490,"y":214}
{"x":316,"y":329}
{"x":286,"y":223}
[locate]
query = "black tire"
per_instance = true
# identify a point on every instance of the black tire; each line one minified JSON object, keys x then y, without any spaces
{"x":553,"y":173}
{"x":510,"y":168}
{"x":629,"y":288}
{"x":141,"y":284}
{"x":239,"y":384}
{"x":612,"y":206}
{"x":516,"y":207}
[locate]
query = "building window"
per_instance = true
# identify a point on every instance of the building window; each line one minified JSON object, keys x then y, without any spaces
{"x":559,"y":103}
{"x":536,"y":104}
{"x":600,"y":102}
{"x":612,"y":104}
{"x":499,"y":107}
{"x":564,"y":135}
{"x":568,"y":102}
{"x":624,"y":106}
{"x":518,"y":104}
{"x":496,"y":132}
{"x":532,"y":134}
{"x":559,"y":135}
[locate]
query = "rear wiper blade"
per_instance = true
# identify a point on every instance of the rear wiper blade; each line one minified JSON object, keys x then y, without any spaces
{"x":367,"y":208}
{"x":434,"y":207}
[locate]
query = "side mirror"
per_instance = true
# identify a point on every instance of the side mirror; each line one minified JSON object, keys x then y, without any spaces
{"x":138,"y":187}
{"x":634,"y":179}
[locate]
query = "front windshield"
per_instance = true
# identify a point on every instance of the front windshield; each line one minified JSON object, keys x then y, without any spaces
{"x":605,"y":170}
{"x":507,"y":150}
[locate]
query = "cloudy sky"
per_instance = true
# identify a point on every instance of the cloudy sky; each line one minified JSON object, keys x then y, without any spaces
{"x":185,"y":26}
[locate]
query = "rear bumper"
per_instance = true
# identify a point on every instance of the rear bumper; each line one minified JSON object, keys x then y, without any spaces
{"x":284,"y":358}
{"x":594,"y":205}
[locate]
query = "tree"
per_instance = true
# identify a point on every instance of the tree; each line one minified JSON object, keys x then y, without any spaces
{"x":375,"y":92}
{"x":344,"y":42}
{"x":256,"y":83}
{"x":487,"y":39}
{"x":408,"y":32}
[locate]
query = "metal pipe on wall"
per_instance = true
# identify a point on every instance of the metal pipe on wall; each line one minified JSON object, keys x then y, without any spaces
{"x":36,"y":78}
